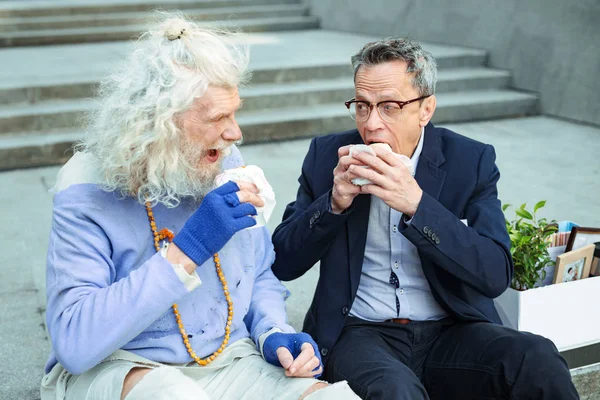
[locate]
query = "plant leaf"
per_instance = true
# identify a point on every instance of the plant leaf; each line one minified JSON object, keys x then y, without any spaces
{"x":529,"y":246}
{"x":524,"y":214}
{"x":539,"y":205}
{"x":524,"y":239}
{"x":505,"y":206}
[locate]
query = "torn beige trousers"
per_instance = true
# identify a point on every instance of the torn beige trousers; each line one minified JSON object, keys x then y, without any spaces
{"x":239,"y":373}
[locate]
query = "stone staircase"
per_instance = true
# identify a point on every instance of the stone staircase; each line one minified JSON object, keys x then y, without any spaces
{"x":49,"y":23}
{"x":301,"y":74}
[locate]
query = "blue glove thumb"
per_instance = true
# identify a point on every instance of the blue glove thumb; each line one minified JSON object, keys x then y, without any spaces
{"x":291,"y":341}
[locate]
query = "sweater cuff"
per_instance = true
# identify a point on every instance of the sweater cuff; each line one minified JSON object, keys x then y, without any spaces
{"x":190,"y":281}
{"x":263,"y":337}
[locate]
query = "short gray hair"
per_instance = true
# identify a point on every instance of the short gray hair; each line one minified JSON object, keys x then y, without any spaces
{"x":419,"y":61}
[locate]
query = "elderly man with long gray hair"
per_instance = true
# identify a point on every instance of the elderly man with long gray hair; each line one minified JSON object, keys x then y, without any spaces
{"x":156,"y":286}
{"x":413,"y":249}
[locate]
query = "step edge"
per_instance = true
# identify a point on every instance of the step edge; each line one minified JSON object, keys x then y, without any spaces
{"x":244,"y":22}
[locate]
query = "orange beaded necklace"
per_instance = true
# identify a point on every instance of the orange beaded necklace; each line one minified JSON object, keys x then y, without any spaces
{"x":168,"y":235}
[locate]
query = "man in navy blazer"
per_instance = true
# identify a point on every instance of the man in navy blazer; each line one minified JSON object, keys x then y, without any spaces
{"x":410,"y":258}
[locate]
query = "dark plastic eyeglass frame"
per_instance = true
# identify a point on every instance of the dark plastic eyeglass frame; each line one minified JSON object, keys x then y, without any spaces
{"x":401,"y":104}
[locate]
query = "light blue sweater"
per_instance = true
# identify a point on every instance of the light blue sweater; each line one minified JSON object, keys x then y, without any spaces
{"x":108,"y":289}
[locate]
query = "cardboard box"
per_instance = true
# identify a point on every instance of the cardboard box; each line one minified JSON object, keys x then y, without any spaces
{"x":565,"y":313}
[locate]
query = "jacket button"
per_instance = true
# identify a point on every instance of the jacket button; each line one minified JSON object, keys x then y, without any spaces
{"x":437,"y":241}
{"x":317,"y":214}
{"x":426,"y":230}
{"x":433,"y":237}
{"x":345,"y":310}
{"x":324,"y":351}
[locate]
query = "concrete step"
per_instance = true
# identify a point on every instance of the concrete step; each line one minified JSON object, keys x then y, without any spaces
{"x":44,"y":116}
{"x":297,"y":122}
{"x":275,"y":57}
{"x":67,"y":87}
{"x":116,"y":33}
{"x":587,"y":381}
{"x":483,"y":105}
{"x":41,"y":8}
{"x":303,"y":94}
{"x":61,"y":112}
{"x":471,"y":78}
{"x":34,"y":148}
{"x":59,"y":22}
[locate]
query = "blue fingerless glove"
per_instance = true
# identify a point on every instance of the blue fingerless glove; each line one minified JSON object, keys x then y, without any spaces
{"x":291,"y":341}
{"x":211,"y":226}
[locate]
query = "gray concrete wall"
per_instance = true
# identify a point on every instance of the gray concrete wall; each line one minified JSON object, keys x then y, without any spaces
{"x":551,"y":46}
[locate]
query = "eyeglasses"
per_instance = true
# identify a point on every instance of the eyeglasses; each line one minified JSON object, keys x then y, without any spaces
{"x":389,"y":110}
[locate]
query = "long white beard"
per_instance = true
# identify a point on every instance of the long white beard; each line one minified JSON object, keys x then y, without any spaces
{"x":200,"y":176}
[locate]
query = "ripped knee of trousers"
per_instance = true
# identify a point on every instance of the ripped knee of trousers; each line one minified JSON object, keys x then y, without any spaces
{"x":166,"y":383}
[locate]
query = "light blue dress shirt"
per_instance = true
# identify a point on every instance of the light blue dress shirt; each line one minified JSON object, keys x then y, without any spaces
{"x":387,"y":251}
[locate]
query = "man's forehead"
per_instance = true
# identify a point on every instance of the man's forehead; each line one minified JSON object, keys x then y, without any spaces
{"x":218,"y":99}
{"x":387,"y":73}
{"x":383,"y":80}
{"x":373,"y":94}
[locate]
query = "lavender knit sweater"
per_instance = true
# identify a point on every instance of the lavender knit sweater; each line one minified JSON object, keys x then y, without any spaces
{"x":107,"y":288}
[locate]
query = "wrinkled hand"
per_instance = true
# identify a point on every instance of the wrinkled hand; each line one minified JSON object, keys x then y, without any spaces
{"x":223,"y":212}
{"x":391,"y":181}
{"x":297,"y":353}
{"x":344,"y":191}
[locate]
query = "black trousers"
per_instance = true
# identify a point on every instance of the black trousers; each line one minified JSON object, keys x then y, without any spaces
{"x":447,"y":360}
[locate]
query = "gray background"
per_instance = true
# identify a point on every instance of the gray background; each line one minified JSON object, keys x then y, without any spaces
{"x":551,"y":46}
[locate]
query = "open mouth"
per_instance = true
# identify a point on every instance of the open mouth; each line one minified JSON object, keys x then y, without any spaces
{"x":212,"y":155}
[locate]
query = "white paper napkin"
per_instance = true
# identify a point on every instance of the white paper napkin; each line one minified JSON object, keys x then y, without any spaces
{"x":255,"y":175}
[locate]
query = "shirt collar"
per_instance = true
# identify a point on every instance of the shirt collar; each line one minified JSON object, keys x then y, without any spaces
{"x":418,"y":150}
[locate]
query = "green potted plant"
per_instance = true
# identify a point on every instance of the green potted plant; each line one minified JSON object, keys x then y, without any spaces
{"x":529,"y":246}
{"x":558,"y":312}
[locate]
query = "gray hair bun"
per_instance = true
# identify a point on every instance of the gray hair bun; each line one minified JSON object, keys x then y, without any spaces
{"x":175,"y":28}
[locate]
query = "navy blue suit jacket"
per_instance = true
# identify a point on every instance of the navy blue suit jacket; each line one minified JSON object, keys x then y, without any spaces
{"x":466,"y":266}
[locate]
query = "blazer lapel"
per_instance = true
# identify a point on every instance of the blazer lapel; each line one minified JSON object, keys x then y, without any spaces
{"x":428,"y":175}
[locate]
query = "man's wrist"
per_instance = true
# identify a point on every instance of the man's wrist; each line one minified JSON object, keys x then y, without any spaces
{"x":263,"y":336}
{"x":190,"y":280}
{"x":335,"y":209}
{"x":176,"y":256}
{"x":413,"y":210}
